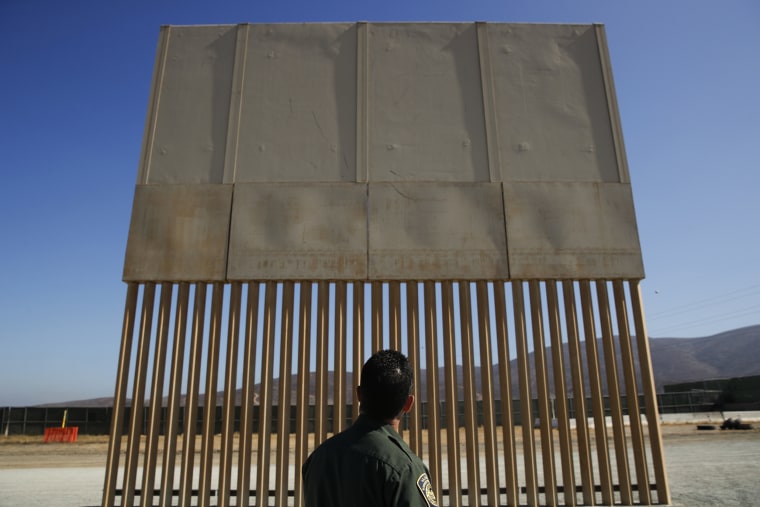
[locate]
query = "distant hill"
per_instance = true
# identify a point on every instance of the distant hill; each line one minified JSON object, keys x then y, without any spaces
{"x":733,"y":353}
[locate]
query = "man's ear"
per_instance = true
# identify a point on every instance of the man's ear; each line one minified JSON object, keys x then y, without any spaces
{"x":359,"y":393}
{"x":408,"y":404}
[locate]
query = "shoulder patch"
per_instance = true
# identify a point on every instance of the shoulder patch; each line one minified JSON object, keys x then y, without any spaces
{"x":426,"y":488}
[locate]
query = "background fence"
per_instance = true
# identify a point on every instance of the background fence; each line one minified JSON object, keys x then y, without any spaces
{"x":96,"y":420}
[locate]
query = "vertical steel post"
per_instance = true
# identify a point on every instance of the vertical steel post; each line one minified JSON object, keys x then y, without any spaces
{"x":358,"y":343}
{"x":209,"y":400}
{"x":560,"y":391}
{"x":505,"y":389}
{"x":245,"y":447}
{"x":542,"y":387}
{"x":304,"y":384}
{"x":526,"y":412}
{"x":191,"y":398}
{"x":470,"y":418}
{"x":339,"y":367}
{"x":283,"y":418}
{"x":156,"y":397}
{"x":650,"y":394}
{"x":631,"y":394}
{"x":579,"y":393}
{"x":175,"y":394}
{"x":597,"y":403}
{"x":377,"y":316}
{"x":265,"y":395}
{"x":431,"y":370}
{"x":230,"y":401}
{"x":394,"y":315}
{"x":613,"y":385}
{"x":138,"y":395}
{"x":450,"y":381}
{"x":320,"y":414}
{"x":413,"y":352}
{"x":119,"y":397}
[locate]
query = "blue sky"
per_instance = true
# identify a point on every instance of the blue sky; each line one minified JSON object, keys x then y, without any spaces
{"x":74,"y":87}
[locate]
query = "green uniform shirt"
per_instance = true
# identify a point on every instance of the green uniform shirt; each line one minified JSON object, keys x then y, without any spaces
{"x":367,"y":465}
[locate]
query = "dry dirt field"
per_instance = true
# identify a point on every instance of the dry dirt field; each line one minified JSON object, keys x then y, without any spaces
{"x":705,"y":468}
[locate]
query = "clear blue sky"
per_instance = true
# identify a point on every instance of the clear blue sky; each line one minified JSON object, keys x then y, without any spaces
{"x":74,"y":84}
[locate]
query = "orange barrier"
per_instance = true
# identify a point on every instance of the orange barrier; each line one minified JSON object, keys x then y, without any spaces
{"x":61,"y":434}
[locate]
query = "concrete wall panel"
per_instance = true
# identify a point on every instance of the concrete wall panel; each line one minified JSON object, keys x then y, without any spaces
{"x":425,"y":103}
{"x":435,"y":231}
{"x":178,"y":232}
{"x":551,"y":103}
{"x":188,"y":134}
{"x":298,"y":120}
{"x":298,"y":231}
{"x":313,"y":104}
{"x":571,"y":230}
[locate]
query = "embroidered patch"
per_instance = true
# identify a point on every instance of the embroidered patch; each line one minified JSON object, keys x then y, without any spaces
{"x":423,"y":482}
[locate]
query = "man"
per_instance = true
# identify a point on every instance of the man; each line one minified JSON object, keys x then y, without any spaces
{"x":369,"y":464}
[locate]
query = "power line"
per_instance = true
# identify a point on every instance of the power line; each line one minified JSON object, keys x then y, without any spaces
{"x":702,"y":303}
{"x":741,"y":312}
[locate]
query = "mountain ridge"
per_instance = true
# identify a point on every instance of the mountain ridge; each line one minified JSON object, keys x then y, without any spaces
{"x":734,"y":353}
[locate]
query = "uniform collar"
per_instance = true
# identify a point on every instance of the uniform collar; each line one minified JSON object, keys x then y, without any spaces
{"x":367,"y":423}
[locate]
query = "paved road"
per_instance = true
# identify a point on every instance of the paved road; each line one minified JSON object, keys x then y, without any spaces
{"x":705,"y":468}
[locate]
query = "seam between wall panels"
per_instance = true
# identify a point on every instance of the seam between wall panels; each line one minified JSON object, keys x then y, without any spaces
{"x":489,"y":102}
{"x":149,"y":136}
{"x":236,"y":105}
{"x":362,"y":127}
{"x":612,"y":105}
{"x":492,"y":126}
{"x":362,"y":102}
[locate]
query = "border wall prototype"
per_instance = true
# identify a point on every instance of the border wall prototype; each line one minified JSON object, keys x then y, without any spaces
{"x":310,"y":193}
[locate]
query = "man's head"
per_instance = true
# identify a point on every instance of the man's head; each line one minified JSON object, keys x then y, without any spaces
{"x":386,"y":385}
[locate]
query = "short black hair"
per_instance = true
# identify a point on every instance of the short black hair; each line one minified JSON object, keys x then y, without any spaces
{"x":386,"y":384}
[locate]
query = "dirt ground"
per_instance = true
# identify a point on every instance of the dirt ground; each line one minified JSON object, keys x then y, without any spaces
{"x":705,"y":468}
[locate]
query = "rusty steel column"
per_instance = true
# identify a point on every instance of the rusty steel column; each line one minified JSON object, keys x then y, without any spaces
{"x":191,"y":399}
{"x":433,"y":399}
{"x":230,"y":385}
{"x":265,"y":395}
{"x":650,"y":394}
{"x":247,"y":396}
{"x":138,"y":395}
{"x":613,"y":390}
{"x":505,"y":389}
{"x":156,"y":397}
{"x":377,"y":316}
{"x":579,"y":393}
{"x":631,"y":394}
{"x":358,"y":360}
{"x":597,"y":402}
{"x":486,"y":382}
{"x":450,"y":381}
{"x":542,"y":387}
{"x":526,"y":412}
{"x":282,"y":469}
{"x":175,"y":394}
{"x":413,"y":352}
{"x":209,"y":400}
{"x":394,"y":315}
{"x":560,"y":391}
{"x":470,"y":418}
{"x":120,"y":396}
{"x":320,"y":403}
{"x":339,"y":369}
{"x":304,"y":384}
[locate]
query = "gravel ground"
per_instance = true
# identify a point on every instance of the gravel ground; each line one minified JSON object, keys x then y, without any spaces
{"x":705,"y":468}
